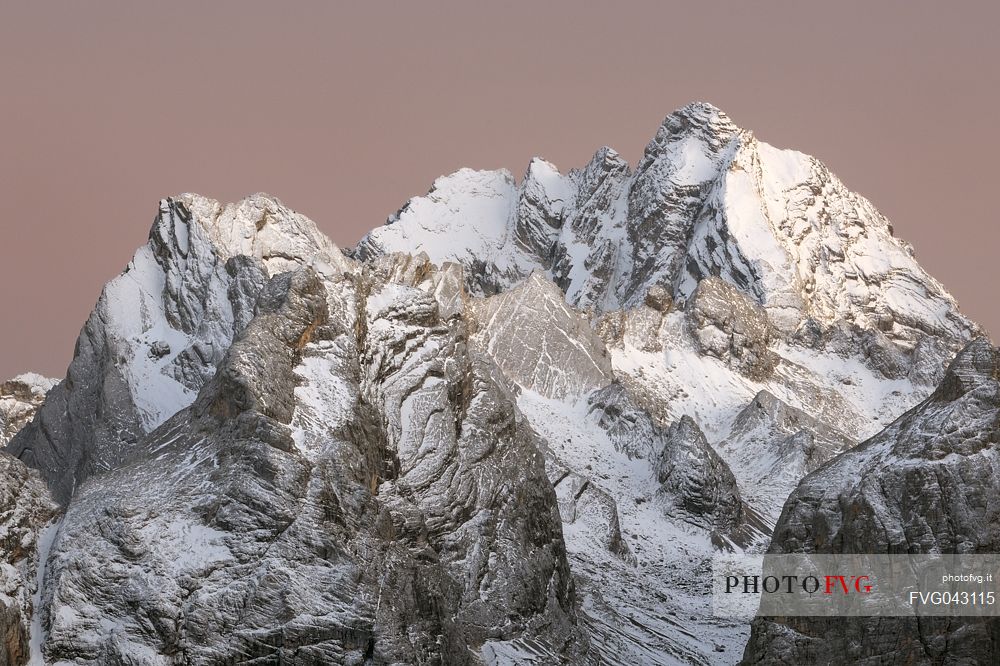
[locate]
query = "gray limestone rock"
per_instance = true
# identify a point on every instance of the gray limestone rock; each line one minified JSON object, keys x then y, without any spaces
{"x":26,"y":512}
{"x":344,"y":490}
{"x":659,"y":299}
{"x":540,"y":210}
{"x":707,"y":199}
{"x":594,"y":243}
{"x":926,"y":484}
{"x":774,"y":445}
{"x":269,"y":450}
{"x":697,"y":483}
{"x":540,"y":342}
{"x":191,"y":290}
{"x":631,"y":428}
{"x":729,"y":325}
{"x":20,"y":398}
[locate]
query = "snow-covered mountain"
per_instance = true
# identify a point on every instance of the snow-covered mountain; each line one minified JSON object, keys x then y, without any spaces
{"x":20,"y":398}
{"x":707,"y":199}
{"x":927,"y":484}
{"x":510,"y":427}
{"x":268,"y":451}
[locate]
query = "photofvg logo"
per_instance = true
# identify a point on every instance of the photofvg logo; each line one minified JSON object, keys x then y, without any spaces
{"x":810,"y":584}
{"x":854,"y":585}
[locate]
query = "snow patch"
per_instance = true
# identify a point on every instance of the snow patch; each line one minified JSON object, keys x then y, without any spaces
{"x":46,"y":537}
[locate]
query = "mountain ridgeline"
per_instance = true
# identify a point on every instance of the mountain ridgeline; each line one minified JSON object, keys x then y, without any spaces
{"x":510,"y":426}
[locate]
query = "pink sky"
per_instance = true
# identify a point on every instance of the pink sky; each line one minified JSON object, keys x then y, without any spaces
{"x":344,"y":112}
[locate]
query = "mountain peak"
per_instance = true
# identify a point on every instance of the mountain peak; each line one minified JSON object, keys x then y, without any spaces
{"x":706,"y":200}
{"x":700,"y":119}
{"x":248,"y":410}
{"x":700,"y":114}
{"x":259,"y":225}
{"x":172,"y":313}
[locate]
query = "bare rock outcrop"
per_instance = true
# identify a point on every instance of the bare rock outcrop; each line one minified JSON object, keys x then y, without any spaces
{"x":27,"y":511}
{"x":349,"y":489}
{"x":20,"y":398}
{"x":694,"y":480}
{"x":926,"y":484}
{"x":730,"y":326}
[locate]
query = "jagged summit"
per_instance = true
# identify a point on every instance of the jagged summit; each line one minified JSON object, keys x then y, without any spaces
{"x":259,"y":226}
{"x":701,"y":113}
{"x":511,"y":426}
{"x":702,"y":120}
{"x":159,"y":330}
{"x":706,"y":199}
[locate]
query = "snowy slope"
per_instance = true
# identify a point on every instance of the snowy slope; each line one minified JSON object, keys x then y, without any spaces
{"x":824,"y":330}
{"x":160,"y":328}
{"x":612,"y":373}
{"x":707,"y":198}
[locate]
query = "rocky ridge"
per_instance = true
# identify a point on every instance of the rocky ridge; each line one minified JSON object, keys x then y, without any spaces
{"x":738,"y":288}
{"x":924,"y":485}
{"x":707,"y":199}
{"x":346,"y":447}
{"x":20,"y":398}
{"x":510,"y":427}
{"x":160,"y":328}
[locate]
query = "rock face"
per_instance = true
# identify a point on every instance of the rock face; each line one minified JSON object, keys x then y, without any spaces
{"x":512,"y":426}
{"x":160,"y":328}
{"x":20,"y":398}
{"x":695,"y":480}
{"x":351,"y":486}
{"x":707,"y":199}
{"x":926,"y":484}
{"x":26,"y":514}
{"x":730,"y":326}
{"x":778,"y":445}
{"x":540,"y":342}
{"x":631,"y":429}
{"x":26,"y":509}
